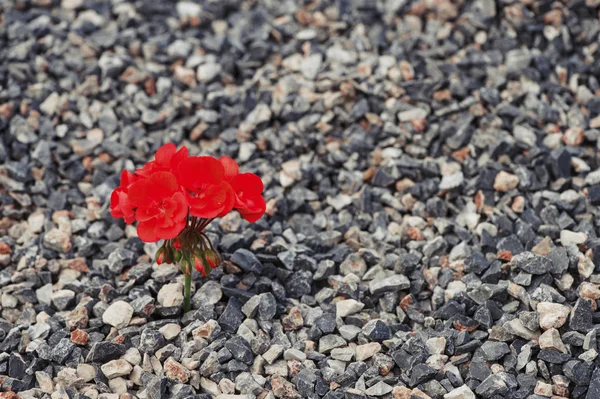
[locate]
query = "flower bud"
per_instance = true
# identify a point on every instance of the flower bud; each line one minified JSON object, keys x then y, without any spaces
{"x":160,"y":256}
{"x":185,"y":267}
{"x":177,"y":256}
{"x":168,"y":258}
{"x":199,"y":265}
{"x":212,"y":258}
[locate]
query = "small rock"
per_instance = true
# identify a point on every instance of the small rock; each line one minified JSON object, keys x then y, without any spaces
{"x":171,"y":295}
{"x":379,"y":389}
{"x":462,"y":392}
{"x":394,"y":283}
{"x":348,"y":307}
{"x":366,"y":351}
{"x":116,"y":368}
{"x":175,"y":371}
{"x":552,"y":315}
{"x":572,"y":238}
{"x":57,"y":240}
{"x":353,"y":264}
{"x":550,"y":339}
{"x":62,"y":299}
{"x":118,"y":314}
{"x":170,"y":331}
{"x":505,"y":181}
{"x":493,"y":351}
{"x":294,"y":354}
{"x":451,"y":181}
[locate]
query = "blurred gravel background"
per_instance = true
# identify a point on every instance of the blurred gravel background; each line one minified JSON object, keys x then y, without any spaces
{"x":431,"y":172}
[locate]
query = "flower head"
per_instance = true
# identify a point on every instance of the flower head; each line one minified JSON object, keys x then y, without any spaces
{"x":247,"y":189}
{"x":208,"y":194}
{"x":249,"y":201}
{"x":164,"y":192}
{"x":161,"y":206}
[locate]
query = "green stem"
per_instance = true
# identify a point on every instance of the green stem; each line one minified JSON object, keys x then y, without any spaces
{"x":187,"y":293}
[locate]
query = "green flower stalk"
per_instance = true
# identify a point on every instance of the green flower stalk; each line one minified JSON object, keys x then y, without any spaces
{"x":191,"y":248}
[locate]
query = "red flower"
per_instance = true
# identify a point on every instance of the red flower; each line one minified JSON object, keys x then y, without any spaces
{"x":166,"y":159}
{"x":161,"y":193}
{"x":247,"y":188}
{"x":207,"y":193}
{"x":120,"y":206}
{"x":161,"y":206}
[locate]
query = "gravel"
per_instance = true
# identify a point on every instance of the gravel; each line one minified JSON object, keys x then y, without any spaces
{"x":432,"y":184}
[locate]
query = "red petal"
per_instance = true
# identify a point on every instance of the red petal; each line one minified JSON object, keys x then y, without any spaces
{"x":247,"y":183}
{"x":210,"y":203}
{"x":139,"y":192}
{"x":130,"y":218}
{"x":230,"y":166}
{"x":166,"y":233}
{"x":127,"y":178}
{"x":196,"y":172}
{"x":147,"y":169}
{"x":115,"y":209}
{"x":179,"y":157}
{"x":120,"y":206}
{"x":163,"y":185}
{"x":146,"y":213}
{"x":258,"y":208}
{"x":146,"y":232}
{"x":229,"y":200}
{"x":177,"y":207}
{"x":164,"y":154}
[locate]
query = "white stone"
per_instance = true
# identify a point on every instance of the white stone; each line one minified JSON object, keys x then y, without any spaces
{"x":436,"y":345}
{"x":170,"y":295}
{"x":505,"y":181}
{"x":50,"y":104}
{"x":273,"y":353}
{"x":133,"y":356}
{"x":188,"y":9}
{"x":347,"y":307}
{"x":552,"y":315}
{"x":170,"y":331}
{"x":118,"y":314}
{"x":246,"y":151}
{"x":462,"y":392}
{"x":379,"y":389}
{"x":451,"y":181}
{"x":412,"y":114}
{"x":550,"y":339}
{"x":366,"y":351}
{"x":44,"y":381}
{"x":86,"y":372}
{"x":294,"y":354}
{"x":311,"y":65}
{"x":208,"y":72}
{"x":116,"y":368}
{"x":568,"y":237}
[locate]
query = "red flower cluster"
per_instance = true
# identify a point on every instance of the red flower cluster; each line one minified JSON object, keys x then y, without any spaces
{"x":162,"y":193}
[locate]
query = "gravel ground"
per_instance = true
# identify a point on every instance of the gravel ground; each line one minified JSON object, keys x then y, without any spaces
{"x":432,"y":181}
